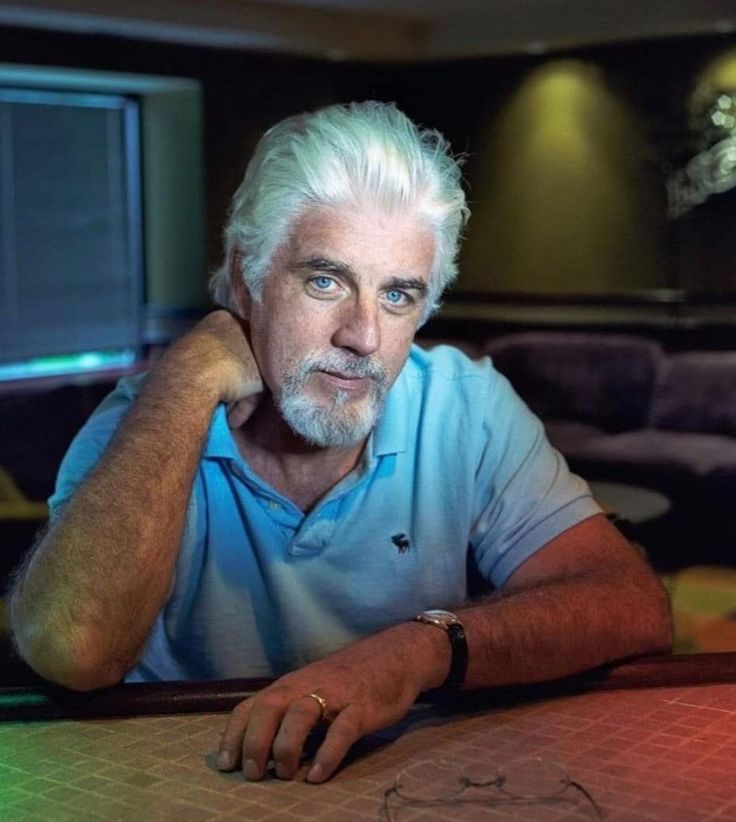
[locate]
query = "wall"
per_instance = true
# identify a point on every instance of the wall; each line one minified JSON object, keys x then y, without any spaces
{"x":567,"y":154}
{"x":564,"y":201}
{"x":568,"y":157}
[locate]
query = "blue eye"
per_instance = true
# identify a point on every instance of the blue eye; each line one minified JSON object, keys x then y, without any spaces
{"x":323,"y":283}
{"x":395,"y":297}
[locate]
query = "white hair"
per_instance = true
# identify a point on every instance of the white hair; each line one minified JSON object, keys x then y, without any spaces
{"x":343,"y":155}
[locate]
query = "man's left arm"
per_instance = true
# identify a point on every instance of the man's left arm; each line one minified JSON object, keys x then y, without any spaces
{"x":584,"y":599}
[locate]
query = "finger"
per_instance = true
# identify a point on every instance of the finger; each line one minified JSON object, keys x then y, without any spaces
{"x":240,"y":412}
{"x":263,"y":725}
{"x":231,"y":743}
{"x":344,"y":731}
{"x":288,"y":745}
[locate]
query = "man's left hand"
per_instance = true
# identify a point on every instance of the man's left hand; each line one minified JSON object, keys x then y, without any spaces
{"x":366,"y":686}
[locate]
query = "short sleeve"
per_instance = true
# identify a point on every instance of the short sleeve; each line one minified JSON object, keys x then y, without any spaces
{"x":91,"y":441}
{"x":525,"y":492}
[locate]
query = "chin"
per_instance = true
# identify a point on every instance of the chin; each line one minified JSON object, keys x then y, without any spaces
{"x":329,"y":427}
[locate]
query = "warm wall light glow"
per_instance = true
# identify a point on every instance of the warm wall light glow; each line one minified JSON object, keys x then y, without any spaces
{"x":716,"y":76}
{"x":556,"y":104}
{"x":560,"y":203}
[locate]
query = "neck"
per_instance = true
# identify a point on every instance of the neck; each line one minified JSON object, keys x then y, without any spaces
{"x":299,"y":470}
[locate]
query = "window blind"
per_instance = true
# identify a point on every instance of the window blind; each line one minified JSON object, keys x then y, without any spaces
{"x":71,"y":266}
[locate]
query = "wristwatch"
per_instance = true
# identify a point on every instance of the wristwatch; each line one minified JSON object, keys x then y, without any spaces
{"x":455,"y":631}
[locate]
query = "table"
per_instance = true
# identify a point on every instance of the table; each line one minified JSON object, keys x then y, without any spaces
{"x":633,"y":503}
{"x":645,"y":753}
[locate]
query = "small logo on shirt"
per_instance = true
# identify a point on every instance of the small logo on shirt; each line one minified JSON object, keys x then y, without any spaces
{"x":401,"y":541}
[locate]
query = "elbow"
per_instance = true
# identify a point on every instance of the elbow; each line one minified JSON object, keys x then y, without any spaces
{"x":74,"y":663}
{"x":666,"y":631}
{"x":657,"y":634}
{"x":637,"y":611}
{"x":81,"y":677}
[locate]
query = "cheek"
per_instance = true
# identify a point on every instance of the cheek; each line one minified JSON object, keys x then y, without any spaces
{"x":396,"y":351}
{"x":270,"y":350}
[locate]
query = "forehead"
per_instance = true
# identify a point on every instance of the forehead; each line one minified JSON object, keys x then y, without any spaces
{"x":365,"y":238}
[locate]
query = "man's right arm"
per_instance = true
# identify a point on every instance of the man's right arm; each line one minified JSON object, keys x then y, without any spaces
{"x":86,"y":599}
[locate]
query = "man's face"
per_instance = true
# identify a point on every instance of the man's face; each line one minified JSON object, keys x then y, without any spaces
{"x":338,"y":313}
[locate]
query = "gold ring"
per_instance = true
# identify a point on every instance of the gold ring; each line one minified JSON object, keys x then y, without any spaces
{"x":322,"y":704}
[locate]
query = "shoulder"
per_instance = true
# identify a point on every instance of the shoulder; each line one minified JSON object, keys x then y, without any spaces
{"x":444,"y":364}
{"x":109,"y":413}
{"x":124,"y":393}
{"x":460,"y":399}
{"x":447,"y":374}
{"x":92,"y":439}
{"x":446,"y":398}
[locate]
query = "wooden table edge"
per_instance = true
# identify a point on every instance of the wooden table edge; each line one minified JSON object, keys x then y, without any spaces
{"x":46,"y":701}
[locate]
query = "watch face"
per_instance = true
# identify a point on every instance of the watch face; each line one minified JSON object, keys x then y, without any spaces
{"x":443,"y":616}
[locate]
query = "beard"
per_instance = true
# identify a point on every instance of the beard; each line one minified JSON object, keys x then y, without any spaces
{"x":342,"y":420}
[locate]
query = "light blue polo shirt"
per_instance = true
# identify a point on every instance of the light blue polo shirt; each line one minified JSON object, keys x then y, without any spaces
{"x":456,"y":466}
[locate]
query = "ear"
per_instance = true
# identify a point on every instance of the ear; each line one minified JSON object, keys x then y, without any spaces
{"x":241,"y":298}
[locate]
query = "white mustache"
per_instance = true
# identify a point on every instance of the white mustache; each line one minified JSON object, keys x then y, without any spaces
{"x":344,"y":364}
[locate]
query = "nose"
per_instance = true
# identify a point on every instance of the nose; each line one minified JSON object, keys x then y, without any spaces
{"x":359,"y":329}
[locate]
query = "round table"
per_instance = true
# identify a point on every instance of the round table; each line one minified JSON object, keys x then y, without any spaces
{"x":632,"y":503}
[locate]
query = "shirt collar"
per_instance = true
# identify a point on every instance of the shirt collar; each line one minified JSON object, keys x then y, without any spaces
{"x":389,"y":435}
{"x":220,"y":441}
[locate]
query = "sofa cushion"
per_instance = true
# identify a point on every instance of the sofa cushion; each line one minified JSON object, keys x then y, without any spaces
{"x":603,"y":379}
{"x":678,"y":454}
{"x":468,"y":347}
{"x":566,"y":435}
{"x":696,"y":391}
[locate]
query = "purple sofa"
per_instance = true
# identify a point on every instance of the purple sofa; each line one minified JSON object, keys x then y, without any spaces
{"x":622,"y":409}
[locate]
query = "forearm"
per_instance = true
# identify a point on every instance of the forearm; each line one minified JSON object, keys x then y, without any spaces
{"x":564,"y":627}
{"x":91,"y":590}
{"x":585,"y":599}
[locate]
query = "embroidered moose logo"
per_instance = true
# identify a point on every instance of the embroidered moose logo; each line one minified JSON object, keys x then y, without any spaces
{"x":401,"y":541}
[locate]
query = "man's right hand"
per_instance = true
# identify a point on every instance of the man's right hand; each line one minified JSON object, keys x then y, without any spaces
{"x":218,"y":350}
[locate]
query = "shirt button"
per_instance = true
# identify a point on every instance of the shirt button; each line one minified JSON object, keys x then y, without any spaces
{"x":273,"y":505}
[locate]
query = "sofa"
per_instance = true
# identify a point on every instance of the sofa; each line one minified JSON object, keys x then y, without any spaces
{"x":621,"y":408}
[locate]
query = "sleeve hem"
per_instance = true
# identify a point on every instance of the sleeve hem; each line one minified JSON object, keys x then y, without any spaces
{"x":542,"y":533}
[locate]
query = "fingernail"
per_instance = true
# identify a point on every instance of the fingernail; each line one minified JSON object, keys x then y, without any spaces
{"x":224,"y":760}
{"x":282,"y":772}
{"x":251,"y":769}
{"x":315,"y":773}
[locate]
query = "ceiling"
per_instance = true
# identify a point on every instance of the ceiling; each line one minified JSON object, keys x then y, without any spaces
{"x":393,"y":30}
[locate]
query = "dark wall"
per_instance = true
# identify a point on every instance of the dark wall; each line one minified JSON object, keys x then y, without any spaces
{"x":244,"y":93}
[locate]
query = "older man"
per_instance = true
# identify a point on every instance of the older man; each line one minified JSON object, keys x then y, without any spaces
{"x":294,"y":490}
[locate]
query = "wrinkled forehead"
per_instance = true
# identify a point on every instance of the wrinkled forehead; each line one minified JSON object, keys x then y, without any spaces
{"x":365,"y":234}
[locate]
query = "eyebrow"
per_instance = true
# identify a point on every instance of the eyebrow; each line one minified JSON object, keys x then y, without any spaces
{"x":410,"y":284}
{"x":324,"y":264}
{"x":336,"y":267}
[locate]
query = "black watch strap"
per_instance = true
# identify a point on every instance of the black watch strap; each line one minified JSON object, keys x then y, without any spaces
{"x":459,"y":646}
{"x":455,"y":631}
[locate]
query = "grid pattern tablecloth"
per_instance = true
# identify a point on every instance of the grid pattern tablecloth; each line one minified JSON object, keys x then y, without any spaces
{"x":651,"y":754}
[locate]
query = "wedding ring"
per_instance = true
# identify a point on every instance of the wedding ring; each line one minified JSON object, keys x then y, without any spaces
{"x":322,"y":704}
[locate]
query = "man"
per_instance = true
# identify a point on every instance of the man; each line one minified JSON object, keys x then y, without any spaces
{"x":294,"y":483}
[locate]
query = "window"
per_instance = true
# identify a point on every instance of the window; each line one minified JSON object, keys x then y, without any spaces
{"x":71,"y":265}
{"x":101,"y":217}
